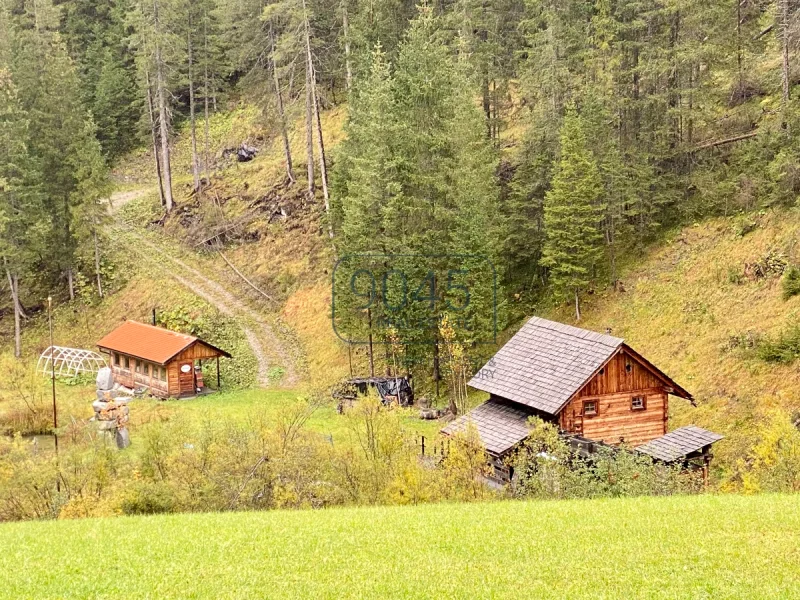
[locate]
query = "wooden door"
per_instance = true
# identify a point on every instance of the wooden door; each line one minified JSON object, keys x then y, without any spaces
{"x":186,"y":377}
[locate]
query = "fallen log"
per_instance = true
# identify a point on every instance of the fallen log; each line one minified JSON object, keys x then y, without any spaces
{"x":245,"y":279}
{"x":715,"y":143}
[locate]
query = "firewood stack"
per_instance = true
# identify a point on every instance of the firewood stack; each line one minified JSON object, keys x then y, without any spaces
{"x":111,"y":411}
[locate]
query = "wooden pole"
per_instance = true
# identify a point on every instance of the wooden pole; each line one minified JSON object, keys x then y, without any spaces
{"x":350,"y":357}
{"x":218,"y":384}
{"x":53,"y":383}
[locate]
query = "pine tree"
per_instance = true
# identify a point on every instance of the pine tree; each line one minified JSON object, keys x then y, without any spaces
{"x":21,"y":212}
{"x":572,"y":212}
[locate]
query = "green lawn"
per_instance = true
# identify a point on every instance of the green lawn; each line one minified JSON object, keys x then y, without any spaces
{"x":691,"y":547}
{"x":265,"y":405}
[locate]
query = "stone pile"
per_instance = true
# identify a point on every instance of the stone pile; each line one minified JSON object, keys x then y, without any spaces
{"x":111,"y":411}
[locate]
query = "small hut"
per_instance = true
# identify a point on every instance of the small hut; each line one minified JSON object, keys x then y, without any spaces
{"x":165,"y":362}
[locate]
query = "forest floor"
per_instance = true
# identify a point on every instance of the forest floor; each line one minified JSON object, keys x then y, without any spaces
{"x":669,"y":547}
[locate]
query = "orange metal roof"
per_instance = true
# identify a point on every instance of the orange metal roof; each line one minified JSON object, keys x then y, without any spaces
{"x":154,"y":344}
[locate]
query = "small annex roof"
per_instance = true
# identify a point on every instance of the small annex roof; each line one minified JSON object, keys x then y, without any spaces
{"x":500,"y":426}
{"x":679,"y":443}
{"x":545,"y":364}
{"x":154,"y":344}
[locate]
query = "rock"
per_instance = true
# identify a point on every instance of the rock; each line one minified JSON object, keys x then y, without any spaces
{"x":105,"y":379}
{"x":106,"y":425}
{"x":105,"y":395}
{"x":123,"y":438}
{"x":99,"y":405}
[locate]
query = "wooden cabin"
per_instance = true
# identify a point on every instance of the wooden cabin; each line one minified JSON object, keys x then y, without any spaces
{"x":593,"y":386}
{"x":165,"y":362}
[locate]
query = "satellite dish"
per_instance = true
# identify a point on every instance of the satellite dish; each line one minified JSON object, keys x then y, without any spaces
{"x":186,"y":368}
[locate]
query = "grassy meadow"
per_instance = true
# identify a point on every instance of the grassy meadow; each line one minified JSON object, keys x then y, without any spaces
{"x":678,"y":547}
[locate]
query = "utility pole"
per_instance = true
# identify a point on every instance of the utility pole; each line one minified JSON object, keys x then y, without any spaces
{"x":53,"y":382}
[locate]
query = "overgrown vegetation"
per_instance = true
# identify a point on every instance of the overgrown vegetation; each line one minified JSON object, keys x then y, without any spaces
{"x":546,"y":467}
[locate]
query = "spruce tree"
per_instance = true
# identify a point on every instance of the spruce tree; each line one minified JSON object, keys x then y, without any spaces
{"x":572,"y":212}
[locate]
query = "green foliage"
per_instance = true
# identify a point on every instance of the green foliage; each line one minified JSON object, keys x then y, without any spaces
{"x":790,"y":284}
{"x":545,"y":467}
{"x":773,"y":463}
{"x":783,"y":348}
{"x":572,"y":212}
{"x":221,"y":331}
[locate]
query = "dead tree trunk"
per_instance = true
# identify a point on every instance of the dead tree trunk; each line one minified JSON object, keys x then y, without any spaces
{"x":13,"y":284}
{"x":192,"y":118}
{"x":97,"y":262}
{"x":311,"y":75}
{"x":348,"y":68}
{"x":163,"y":115}
{"x":784,"y":17}
{"x":207,"y":128}
{"x":70,"y":284}
{"x":309,"y":132}
{"x":287,"y":150}
{"x":154,"y":134}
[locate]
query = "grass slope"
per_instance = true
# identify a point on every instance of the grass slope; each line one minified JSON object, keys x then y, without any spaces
{"x":679,"y":547}
{"x":685,"y":300}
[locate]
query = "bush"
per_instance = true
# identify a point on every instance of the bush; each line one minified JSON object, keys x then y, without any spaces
{"x":785,"y":348}
{"x":791,"y":282}
{"x":546,"y":467}
{"x":773,"y":464}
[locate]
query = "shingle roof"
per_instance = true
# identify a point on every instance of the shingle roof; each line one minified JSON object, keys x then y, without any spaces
{"x":679,"y":443}
{"x":499,"y":425}
{"x":154,"y":344}
{"x":545,"y":364}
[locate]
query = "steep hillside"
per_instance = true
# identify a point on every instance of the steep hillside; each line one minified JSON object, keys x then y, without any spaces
{"x":697,"y":305}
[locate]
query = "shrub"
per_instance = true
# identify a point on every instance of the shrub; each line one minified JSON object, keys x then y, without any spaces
{"x":546,"y":467}
{"x":785,"y":348}
{"x":791,"y":282}
{"x":773,"y":463}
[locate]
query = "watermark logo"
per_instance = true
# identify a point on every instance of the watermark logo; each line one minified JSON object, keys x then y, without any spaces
{"x":402,"y":298}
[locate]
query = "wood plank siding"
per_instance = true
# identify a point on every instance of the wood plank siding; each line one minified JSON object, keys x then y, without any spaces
{"x":605,"y":410}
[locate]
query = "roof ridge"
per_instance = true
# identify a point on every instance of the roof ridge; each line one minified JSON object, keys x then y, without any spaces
{"x":577,"y":332}
{"x":162,"y":329}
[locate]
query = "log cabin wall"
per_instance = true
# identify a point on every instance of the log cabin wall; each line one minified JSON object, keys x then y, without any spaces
{"x":135,"y":373}
{"x":623,"y":373}
{"x":618,"y":417}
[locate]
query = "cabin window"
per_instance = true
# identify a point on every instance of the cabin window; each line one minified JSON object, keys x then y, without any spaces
{"x":628,"y":367}
{"x":638,"y":403}
{"x":146,"y":369}
{"x":590,"y":408}
{"x":138,"y":366}
{"x":116,"y":359}
{"x":127,"y":362}
{"x":162,"y":373}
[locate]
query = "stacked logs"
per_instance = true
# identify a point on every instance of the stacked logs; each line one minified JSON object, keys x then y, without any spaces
{"x":111,"y":412}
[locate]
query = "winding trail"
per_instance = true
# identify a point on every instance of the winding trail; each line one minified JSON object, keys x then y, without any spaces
{"x":269,"y":349}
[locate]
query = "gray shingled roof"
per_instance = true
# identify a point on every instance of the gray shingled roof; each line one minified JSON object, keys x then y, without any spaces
{"x":499,"y":425}
{"x":679,"y":443}
{"x":545,"y":364}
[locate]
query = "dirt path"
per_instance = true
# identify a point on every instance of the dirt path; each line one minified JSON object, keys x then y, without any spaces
{"x":269,"y":350}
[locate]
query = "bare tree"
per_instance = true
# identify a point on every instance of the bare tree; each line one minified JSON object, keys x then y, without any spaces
{"x":192,"y":119}
{"x":13,"y":284}
{"x":154,"y":135}
{"x":281,"y":113}
{"x":163,"y":112}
